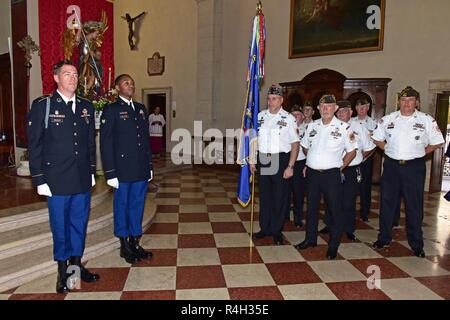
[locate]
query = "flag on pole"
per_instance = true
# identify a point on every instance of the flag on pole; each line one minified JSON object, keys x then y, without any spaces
{"x":247,"y":145}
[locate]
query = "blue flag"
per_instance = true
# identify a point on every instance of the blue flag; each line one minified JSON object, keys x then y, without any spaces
{"x":247,"y":146}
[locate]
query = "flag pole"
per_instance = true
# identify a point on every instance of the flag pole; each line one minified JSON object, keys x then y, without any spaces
{"x":252,"y":211}
{"x":252,"y":216}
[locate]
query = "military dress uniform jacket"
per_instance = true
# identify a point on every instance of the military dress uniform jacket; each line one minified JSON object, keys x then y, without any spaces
{"x":61,"y":144}
{"x":124,"y":142}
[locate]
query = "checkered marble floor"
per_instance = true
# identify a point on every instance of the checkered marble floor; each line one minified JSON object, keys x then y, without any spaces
{"x":202,"y":250}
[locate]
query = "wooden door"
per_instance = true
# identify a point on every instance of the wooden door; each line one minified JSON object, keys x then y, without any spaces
{"x":6,"y":113}
{"x":438,"y":159}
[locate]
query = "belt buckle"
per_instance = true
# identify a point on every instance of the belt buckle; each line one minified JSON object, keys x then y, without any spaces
{"x":402,"y":162}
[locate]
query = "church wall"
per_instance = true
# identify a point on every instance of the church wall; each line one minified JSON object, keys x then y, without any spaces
{"x":170,"y":27}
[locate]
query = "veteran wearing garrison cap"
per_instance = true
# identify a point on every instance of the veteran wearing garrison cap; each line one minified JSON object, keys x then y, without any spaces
{"x":127,"y":162}
{"x":298,"y":181}
{"x":406,"y":136}
{"x":308,"y":112}
{"x":365,"y":187}
{"x":278,"y":146}
{"x":329,"y":149}
{"x":61,"y":136}
{"x":353,"y":173}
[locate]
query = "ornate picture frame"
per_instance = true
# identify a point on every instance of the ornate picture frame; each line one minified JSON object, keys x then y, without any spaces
{"x":327,"y":27}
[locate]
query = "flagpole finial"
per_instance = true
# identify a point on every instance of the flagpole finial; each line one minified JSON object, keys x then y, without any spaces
{"x":259,"y":7}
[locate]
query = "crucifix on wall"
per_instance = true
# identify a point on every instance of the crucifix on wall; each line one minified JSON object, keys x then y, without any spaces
{"x":131,"y":22}
{"x":29,"y":47}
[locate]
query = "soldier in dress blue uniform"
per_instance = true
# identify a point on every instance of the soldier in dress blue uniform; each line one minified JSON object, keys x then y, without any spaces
{"x":324,"y":143}
{"x":406,"y":136}
{"x":365,"y":187}
{"x":61,"y":135}
{"x":127,"y":163}
{"x":278,"y":145}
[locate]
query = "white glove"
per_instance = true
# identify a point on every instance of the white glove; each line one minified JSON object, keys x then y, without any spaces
{"x":113,"y":183}
{"x":93,"y":180}
{"x":151,"y":176}
{"x":44,"y":190}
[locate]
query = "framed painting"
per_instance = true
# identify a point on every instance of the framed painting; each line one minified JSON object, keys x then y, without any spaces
{"x":326,"y":27}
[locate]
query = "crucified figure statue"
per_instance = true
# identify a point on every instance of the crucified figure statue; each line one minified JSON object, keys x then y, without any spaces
{"x":130,"y":22}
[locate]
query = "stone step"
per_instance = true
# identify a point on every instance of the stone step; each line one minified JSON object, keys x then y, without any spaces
{"x":38,"y":213}
{"x":36,"y":236}
{"x":22,"y":268}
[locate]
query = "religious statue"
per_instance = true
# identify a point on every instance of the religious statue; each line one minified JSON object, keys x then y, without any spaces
{"x":130,"y":22}
{"x":89,"y":38}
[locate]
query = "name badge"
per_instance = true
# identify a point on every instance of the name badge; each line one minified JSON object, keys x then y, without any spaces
{"x":56,"y":117}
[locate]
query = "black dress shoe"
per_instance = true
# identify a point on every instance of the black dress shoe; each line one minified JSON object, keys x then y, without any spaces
{"x":259,"y":235}
{"x":61,"y":280}
{"x":350,"y":236}
{"x":304,"y":245}
{"x":365,"y":219}
{"x":325,"y":230}
{"x":332,"y":253}
{"x":85,"y":275}
{"x":138,"y":250}
{"x":380,"y":245}
{"x":126,"y":252}
{"x":419,"y":253}
{"x":278,"y":240}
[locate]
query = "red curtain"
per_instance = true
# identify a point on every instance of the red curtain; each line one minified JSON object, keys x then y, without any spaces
{"x":52,"y":24}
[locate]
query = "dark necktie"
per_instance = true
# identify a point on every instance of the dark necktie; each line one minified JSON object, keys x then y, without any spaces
{"x":70,"y":104}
